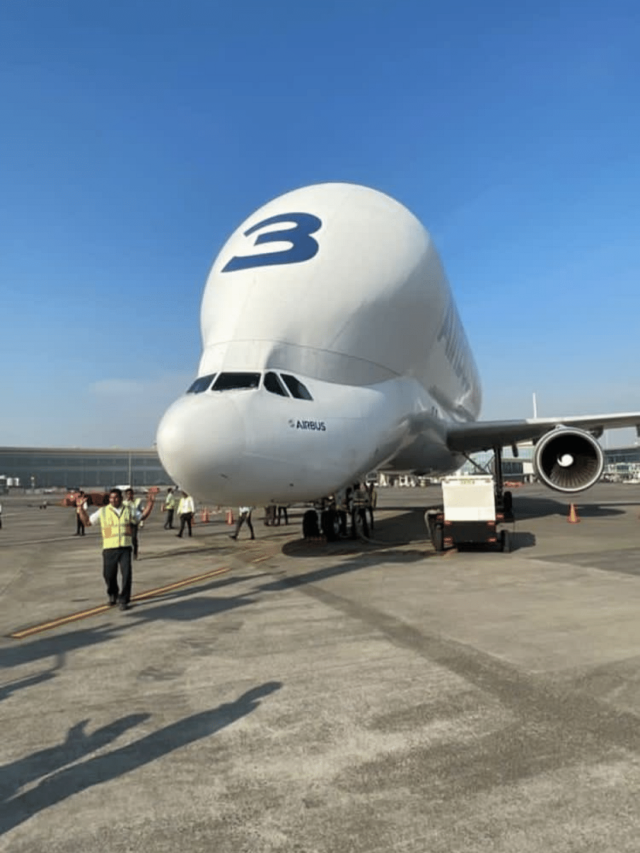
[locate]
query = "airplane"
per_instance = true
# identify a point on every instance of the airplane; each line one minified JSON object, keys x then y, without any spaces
{"x":332,"y":347}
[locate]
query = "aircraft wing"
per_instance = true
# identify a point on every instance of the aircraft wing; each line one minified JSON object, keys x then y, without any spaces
{"x":484,"y":435}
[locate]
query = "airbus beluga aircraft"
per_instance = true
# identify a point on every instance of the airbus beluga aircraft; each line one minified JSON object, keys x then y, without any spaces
{"x":332,"y":347}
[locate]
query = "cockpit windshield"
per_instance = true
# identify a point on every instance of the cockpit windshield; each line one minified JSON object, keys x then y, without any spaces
{"x":200,"y":384}
{"x":298,"y":390}
{"x":273,"y":384}
{"x":236,"y":381}
{"x":284,"y":385}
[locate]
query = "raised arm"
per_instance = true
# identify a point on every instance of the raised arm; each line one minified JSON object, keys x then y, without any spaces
{"x":81,"y":504}
{"x":146,"y":512}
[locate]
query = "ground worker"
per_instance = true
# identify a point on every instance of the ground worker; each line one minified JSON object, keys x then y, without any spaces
{"x":186,"y":511}
{"x":79,"y":522}
{"x":135,"y":505}
{"x":244,"y":514}
{"x":169,"y":507}
{"x":115,"y":523}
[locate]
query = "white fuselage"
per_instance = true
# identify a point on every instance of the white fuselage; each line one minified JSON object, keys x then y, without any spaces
{"x":339,"y":288}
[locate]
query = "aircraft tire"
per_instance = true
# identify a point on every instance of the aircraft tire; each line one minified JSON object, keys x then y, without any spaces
{"x":310,"y":529}
{"x":330,"y":525}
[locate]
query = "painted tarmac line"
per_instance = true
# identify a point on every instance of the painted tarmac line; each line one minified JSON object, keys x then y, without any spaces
{"x":104,"y":608}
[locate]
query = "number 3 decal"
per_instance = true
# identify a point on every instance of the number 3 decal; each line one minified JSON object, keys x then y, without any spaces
{"x":303,"y":246}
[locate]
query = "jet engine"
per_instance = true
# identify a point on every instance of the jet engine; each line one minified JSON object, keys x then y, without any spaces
{"x":568,"y":460}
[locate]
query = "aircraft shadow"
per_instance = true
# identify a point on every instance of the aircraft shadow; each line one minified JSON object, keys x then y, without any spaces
{"x":356,"y":563}
{"x":399,"y":530}
{"x":541,"y":507}
{"x":16,"y":809}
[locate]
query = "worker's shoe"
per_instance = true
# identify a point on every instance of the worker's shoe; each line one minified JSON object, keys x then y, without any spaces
{"x":123,"y":605}
{"x":232,"y":536}
{"x":112,"y":600}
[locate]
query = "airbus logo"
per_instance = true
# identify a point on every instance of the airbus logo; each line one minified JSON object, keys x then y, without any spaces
{"x":318,"y":426}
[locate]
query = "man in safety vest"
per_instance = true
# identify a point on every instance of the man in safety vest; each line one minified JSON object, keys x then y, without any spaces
{"x":115,"y":521}
{"x":169,"y":507}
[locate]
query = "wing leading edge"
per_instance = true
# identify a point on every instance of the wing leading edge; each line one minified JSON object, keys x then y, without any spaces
{"x":484,"y":435}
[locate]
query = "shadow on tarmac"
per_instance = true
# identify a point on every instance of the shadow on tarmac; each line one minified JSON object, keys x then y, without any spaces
{"x":68,"y":781}
{"x":541,"y":507}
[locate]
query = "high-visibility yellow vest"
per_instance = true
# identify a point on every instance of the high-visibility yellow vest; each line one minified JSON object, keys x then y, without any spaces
{"x":134,"y":506}
{"x":116,"y":529}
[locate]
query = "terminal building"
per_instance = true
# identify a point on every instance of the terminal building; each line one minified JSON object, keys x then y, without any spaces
{"x":70,"y":468}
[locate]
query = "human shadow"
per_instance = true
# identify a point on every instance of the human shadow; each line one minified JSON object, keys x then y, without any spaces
{"x":105,"y":767}
{"x":186,"y":609}
{"x":77,"y":744}
{"x":169,"y":605}
{"x":56,"y":645}
{"x":12,"y":687}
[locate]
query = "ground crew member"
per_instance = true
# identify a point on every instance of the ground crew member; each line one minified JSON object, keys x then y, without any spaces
{"x":244,"y":514}
{"x":79,"y":522}
{"x":115,"y":523}
{"x":169,"y":507}
{"x":186,"y":510}
{"x":135,"y":505}
{"x":373,"y":500}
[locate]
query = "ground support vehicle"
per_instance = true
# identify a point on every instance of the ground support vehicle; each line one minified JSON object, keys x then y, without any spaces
{"x":470,"y":514}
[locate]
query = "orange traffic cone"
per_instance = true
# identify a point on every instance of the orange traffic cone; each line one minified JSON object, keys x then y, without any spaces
{"x":573,"y":515}
{"x":229,"y":516}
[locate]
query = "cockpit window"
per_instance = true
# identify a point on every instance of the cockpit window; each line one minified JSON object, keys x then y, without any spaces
{"x":201,"y":384}
{"x":236,"y":381}
{"x":272,"y":383}
{"x":298,"y":390}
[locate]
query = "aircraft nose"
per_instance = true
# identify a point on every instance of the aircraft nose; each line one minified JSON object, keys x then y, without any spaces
{"x":201,"y":442}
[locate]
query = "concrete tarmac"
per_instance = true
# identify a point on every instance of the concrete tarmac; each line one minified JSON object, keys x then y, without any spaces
{"x":309,"y":698}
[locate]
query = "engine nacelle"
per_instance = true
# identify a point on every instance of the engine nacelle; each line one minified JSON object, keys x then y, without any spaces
{"x":568,"y":460}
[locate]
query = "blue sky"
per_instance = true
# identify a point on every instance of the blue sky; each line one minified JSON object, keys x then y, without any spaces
{"x":136,"y":136}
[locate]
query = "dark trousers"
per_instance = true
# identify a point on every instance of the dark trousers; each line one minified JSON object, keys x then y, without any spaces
{"x":185,"y":521}
{"x":79,"y":526}
{"x":241,"y":520}
{"x":111,"y":559}
{"x":134,"y":539}
{"x":168,"y":524}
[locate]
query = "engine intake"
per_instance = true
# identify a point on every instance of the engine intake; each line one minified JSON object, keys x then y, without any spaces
{"x":568,"y":460}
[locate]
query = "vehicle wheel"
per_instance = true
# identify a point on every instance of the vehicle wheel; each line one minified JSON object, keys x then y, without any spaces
{"x":438,"y":537}
{"x":505,"y":542}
